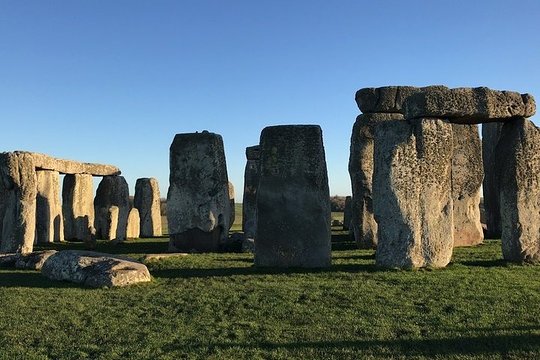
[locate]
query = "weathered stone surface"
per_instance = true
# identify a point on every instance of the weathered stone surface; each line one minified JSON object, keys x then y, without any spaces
{"x":112,"y":191}
{"x":412,"y":196}
{"x":94,"y":269}
{"x":293,"y":200}
{"x":133,"y":224}
{"x":233,"y":243}
{"x":491,"y":134}
{"x":78,"y":206}
{"x":17,"y":171}
{"x":49,"y":221}
{"x":467,"y":176}
{"x":157,"y":257}
{"x":519,"y":171}
{"x":33,"y":260}
{"x":362,"y":224}
{"x":147,"y":200}
{"x":347,"y":213}
{"x":198,"y":206}
{"x":46,"y":162}
{"x":251,"y":182}
{"x":386,"y":99}
{"x":248,"y":245}
{"x":107,"y":223}
{"x":468,"y":105}
{"x":232,"y":205}
{"x":4,"y":196}
{"x":8,"y":260}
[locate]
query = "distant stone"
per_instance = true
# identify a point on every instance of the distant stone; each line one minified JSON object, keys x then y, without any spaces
{"x":148,"y":201}
{"x":468,"y":105}
{"x":491,"y":134}
{"x":112,"y":191}
{"x":133,"y":224}
{"x":251,"y":182}
{"x":347,"y":213}
{"x":78,"y":206}
{"x":17,"y":172}
{"x":94,"y":269}
{"x":412,"y":193}
{"x":518,"y":166}
{"x":33,"y":260}
{"x":232,"y":205}
{"x":49,"y":221}
{"x":362,"y":224}
{"x":198,"y":204}
{"x":467,"y":176}
{"x":293,"y":200}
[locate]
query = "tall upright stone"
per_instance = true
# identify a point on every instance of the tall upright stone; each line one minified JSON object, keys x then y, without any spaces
{"x":112,"y":191}
{"x":251,"y":182}
{"x":467,"y":176}
{"x":518,"y":166}
{"x":293,"y":200}
{"x":49,"y":222}
{"x":133,"y":224}
{"x":78,"y":206}
{"x":198,"y":204}
{"x":491,"y":134}
{"x":18,"y":174}
{"x":412,"y":193}
{"x":147,"y":200}
{"x":347,"y":213}
{"x":232,"y":205}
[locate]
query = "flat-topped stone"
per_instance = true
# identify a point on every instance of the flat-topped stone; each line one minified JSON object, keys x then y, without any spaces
{"x":46,"y":162}
{"x":468,"y":105}
{"x":94,"y":269}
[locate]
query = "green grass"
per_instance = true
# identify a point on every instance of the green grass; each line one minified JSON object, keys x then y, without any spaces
{"x":216,"y":306}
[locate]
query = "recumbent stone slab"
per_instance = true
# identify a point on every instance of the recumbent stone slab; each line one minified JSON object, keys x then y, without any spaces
{"x":412,"y":193}
{"x":148,"y":201}
{"x":78,"y":206}
{"x":519,"y":171}
{"x":251,"y":182}
{"x":467,"y":176}
{"x":293,"y":200}
{"x":198,"y":204}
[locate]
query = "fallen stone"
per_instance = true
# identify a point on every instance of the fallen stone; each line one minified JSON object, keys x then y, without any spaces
{"x":412,"y":193}
{"x":78,"y":206}
{"x":133,"y":224}
{"x":198,"y":204}
{"x":8,"y":260}
{"x":94,"y":269}
{"x":49,"y":221}
{"x":468,"y":105}
{"x":519,"y":170}
{"x":467,"y":176}
{"x":491,"y":134}
{"x":33,"y":260}
{"x":156,"y":257}
{"x":251,"y":182}
{"x":293,"y":200}
{"x":147,"y":200}
{"x":17,"y":172}
{"x":362,"y":224}
{"x":112,"y":191}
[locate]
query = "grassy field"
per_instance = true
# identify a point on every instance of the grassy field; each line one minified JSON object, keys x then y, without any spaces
{"x":218,"y":306}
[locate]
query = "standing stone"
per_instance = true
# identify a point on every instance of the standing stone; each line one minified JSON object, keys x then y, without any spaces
{"x":467,"y":176}
{"x":412,"y":193}
{"x":112,"y":191}
{"x":519,"y":170}
{"x":347,"y":213}
{"x":232,"y":205}
{"x":147,"y":200}
{"x":251,"y":182}
{"x":362,"y":224}
{"x":491,"y":134}
{"x":108,"y":222}
{"x":3,"y":203}
{"x":49,"y":223}
{"x":78,"y":206}
{"x":293,"y":200}
{"x":198,"y":205}
{"x":19,"y":221}
{"x":133,"y":224}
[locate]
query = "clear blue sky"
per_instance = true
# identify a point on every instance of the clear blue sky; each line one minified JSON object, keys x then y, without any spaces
{"x":112,"y":81}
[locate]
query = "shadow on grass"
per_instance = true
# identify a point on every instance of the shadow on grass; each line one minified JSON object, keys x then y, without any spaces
{"x":14,"y":278}
{"x":354,"y":257}
{"x":252,"y":270}
{"x":150,"y":246}
{"x":471,"y":345}
{"x":485,"y":263}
